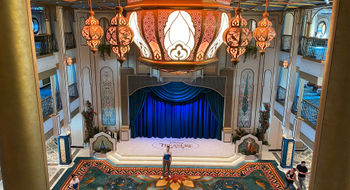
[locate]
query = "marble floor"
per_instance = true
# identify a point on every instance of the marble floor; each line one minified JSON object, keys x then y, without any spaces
{"x":299,"y":156}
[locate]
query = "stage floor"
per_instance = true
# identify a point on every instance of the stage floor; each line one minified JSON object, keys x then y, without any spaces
{"x":185,"y":151}
{"x":179,"y":147}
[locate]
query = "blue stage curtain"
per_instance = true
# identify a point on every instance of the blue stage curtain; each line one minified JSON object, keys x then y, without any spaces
{"x":161,"y":118}
{"x":174,"y":93}
{"x":136,"y":103}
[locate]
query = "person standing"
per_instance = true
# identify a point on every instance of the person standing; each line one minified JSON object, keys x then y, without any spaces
{"x":74,"y":183}
{"x":167,"y":161}
{"x":302,"y":172}
{"x":291,"y":177}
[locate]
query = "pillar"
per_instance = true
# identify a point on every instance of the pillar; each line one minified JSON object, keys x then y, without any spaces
{"x":331,"y":160}
{"x":53,"y":93}
{"x":301,"y":94}
{"x":62,"y":67}
{"x":23,"y":155}
{"x":291,"y":80}
{"x":228,"y":104}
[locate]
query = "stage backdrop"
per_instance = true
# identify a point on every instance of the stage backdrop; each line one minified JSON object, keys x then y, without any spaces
{"x":176,"y":110}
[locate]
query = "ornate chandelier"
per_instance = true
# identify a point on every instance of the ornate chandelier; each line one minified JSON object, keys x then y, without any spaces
{"x":177,"y":35}
{"x":264,"y":33}
{"x":92,"y":31}
{"x":119,"y":34}
{"x":237,"y":36}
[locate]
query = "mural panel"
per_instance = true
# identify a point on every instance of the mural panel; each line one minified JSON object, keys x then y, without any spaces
{"x":245,"y":99}
{"x":107,"y":97}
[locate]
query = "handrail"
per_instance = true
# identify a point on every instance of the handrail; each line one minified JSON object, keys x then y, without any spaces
{"x":313,"y":47}
{"x":310,"y":103}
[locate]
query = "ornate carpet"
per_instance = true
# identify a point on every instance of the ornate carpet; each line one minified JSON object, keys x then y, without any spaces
{"x":101,"y":174}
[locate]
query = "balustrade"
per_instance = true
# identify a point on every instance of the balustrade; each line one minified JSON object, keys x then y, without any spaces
{"x":47,"y":106}
{"x":69,"y":40}
{"x":73,"y":91}
{"x":286,"y":42}
{"x":309,"y":112}
{"x":44,"y":44}
{"x":313,"y":47}
{"x":281,"y":94}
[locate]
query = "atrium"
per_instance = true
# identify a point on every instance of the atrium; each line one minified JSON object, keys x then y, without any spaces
{"x":228,"y":94}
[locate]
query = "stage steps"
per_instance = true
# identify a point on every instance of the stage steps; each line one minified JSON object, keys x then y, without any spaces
{"x":120,"y":159}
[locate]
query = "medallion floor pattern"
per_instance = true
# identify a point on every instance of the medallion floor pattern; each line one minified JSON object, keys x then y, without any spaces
{"x":101,"y":174}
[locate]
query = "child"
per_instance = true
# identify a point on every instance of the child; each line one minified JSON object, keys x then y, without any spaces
{"x":74,"y":183}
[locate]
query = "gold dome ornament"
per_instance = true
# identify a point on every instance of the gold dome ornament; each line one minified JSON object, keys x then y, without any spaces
{"x":92,"y":31}
{"x":119,"y":35}
{"x":264,"y":33}
{"x":237,"y":36}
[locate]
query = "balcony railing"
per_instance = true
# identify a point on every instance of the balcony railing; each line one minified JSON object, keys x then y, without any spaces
{"x":58,"y":101}
{"x":69,"y":40}
{"x":315,"y":48}
{"x":309,"y":112}
{"x":295,"y":105}
{"x":281,"y":94}
{"x":44,"y":44}
{"x":73,"y":91}
{"x":286,"y":42}
{"x":47,"y":106}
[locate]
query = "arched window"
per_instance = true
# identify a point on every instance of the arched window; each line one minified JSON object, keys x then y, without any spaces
{"x":35,"y":24}
{"x":321,"y":29}
{"x":252,"y":26}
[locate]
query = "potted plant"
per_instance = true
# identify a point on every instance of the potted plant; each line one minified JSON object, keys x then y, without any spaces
{"x":89,"y":115}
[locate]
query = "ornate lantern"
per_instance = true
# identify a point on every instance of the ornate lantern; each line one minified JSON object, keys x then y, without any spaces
{"x":119,"y":35}
{"x":237,"y":36}
{"x":178,"y":36}
{"x":264,"y":33}
{"x":92,"y":31}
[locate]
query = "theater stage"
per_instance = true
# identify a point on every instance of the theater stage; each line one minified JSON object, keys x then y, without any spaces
{"x":185,"y":151}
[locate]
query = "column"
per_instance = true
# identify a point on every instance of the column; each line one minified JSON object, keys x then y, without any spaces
{"x":53,"y":93}
{"x":291,"y":80}
{"x":23,"y":155}
{"x":298,"y":119}
{"x":62,"y":67}
{"x":229,"y":101}
{"x":331,"y":160}
{"x":47,"y":21}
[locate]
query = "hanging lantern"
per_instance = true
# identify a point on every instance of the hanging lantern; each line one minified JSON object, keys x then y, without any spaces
{"x":92,"y":31}
{"x":237,"y":36}
{"x":119,"y":35}
{"x":264,"y":33}
{"x":178,"y":36}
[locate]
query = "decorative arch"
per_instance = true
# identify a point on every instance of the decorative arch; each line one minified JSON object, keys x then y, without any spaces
{"x":107,"y":97}
{"x":245,"y":99}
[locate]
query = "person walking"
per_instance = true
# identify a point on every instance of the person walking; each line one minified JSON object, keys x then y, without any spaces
{"x":291,"y":177}
{"x":302,"y":172}
{"x":167,"y":158}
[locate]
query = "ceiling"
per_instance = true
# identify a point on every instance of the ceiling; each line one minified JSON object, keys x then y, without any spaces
{"x":274,"y":5}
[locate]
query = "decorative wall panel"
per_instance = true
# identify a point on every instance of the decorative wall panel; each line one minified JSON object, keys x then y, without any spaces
{"x":245,"y":99}
{"x":266,"y":98}
{"x":107,"y":97}
{"x":86,"y":85}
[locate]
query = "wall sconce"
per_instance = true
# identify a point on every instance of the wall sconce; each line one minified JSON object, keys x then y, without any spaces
{"x":68,"y":61}
{"x":285,"y":64}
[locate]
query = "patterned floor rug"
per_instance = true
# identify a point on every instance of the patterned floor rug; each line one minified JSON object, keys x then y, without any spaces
{"x":101,"y":174}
